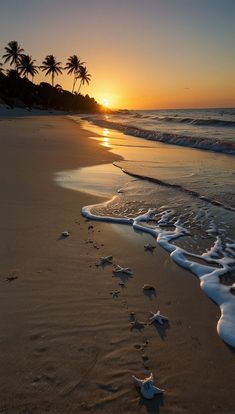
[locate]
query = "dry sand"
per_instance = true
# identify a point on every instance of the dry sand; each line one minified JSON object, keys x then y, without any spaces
{"x":65,"y":344}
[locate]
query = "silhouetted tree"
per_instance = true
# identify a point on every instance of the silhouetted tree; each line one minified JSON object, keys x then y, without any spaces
{"x":51,"y":67}
{"x":26,"y":66}
{"x":13,"y":53}
{"x":1,"y":68}
{"x":16,"y":90}
{"x":84,"y":76}
{"x":73,"y":66}
{"x":58,"y":87}
{"x":12,"y":73}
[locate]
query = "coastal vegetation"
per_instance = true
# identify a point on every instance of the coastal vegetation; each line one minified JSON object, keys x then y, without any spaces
{"x":17,"y":90}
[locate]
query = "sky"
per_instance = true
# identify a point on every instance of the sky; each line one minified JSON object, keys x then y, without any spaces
{"x":142,"y":54}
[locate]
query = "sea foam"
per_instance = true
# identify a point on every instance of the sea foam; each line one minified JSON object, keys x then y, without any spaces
{"x":135,"y":126}
{"x":219,"y":259}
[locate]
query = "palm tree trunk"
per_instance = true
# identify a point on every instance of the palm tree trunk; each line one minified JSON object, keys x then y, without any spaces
{"x":80,"y":86}
{"x":52,"y":78}
{"x":74,"y":83}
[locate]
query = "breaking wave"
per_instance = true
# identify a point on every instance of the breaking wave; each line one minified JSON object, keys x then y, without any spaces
{"x":209,"y":144}
{"x":199,"y":122}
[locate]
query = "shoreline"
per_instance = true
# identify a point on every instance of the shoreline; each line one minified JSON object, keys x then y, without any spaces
{"x":75,"y":351}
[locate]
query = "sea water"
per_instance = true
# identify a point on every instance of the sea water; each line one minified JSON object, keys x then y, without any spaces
{"x":181,"y":193}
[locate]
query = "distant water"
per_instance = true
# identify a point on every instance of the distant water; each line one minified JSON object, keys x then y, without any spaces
{"x":180,"y":189}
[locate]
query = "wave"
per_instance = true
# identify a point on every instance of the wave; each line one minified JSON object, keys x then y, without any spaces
{"x":167,"y":138}
{"x":177,"y":187}
{"x":196,"y":121}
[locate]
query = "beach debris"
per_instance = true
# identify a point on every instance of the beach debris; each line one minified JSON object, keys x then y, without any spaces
{"x":10,"y":279}
{"x":65,"y":234}
{"x":148,"y":287}
{"x":125,"y":270}
{"x":147,"y":388}
{"x":157,"y":317}
{"x":90,"y":227}
{"x":105,"y":260}
{"x":132,"y":316}
{"x":149,"y":247}
{"x":122,"y":284}
{"x":115,"y":294}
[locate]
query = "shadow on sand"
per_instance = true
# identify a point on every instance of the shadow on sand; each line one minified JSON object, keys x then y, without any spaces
{"x":152,"y":406}
{"x":161,"y":329}
{"x":150,"y":293}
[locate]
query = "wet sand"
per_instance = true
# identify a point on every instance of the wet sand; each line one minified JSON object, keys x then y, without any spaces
{"x":66,"y":345}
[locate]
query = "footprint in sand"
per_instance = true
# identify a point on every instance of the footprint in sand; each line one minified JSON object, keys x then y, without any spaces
{"x":124,"y":303}
{"x":115,"y":294}
{"x":137,"y":325}
{"x":142,"y":349}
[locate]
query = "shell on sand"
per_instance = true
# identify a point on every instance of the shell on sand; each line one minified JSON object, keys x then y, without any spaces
{"x":148,"y":287}
{"x":65,"y":234}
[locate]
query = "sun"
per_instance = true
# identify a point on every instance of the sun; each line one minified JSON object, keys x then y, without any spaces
{"x":105,"y":102}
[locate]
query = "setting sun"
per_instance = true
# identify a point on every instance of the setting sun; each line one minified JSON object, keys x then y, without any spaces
{"x":105,"y":102}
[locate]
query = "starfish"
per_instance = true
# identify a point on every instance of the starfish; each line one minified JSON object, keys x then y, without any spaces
{"x":149,"y":247}
{"x":119,"y":269}
{"x":147,"y":387}
{"x":157,"y":317}
{"x":105,"y":260}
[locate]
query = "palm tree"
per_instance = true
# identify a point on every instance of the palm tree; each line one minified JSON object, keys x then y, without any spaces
{"x":13,"y":53}
{"x":26,"y":66}
{"x":1,"y":68}
{"x":73,"y":65}
{"x":51,"y":67}
{"x":59,"y":88}
{"x":84,"y":76}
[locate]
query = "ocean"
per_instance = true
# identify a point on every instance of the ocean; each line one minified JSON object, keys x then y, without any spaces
{"x":212,"y":129}
{"x":175,"y":180}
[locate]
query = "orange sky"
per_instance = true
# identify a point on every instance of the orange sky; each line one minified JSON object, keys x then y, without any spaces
{"x":141,"y":54}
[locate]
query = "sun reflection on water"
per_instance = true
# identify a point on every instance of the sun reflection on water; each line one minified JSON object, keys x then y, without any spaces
{"x":106,"y":138}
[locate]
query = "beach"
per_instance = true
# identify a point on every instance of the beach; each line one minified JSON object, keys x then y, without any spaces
{"x":67,"y":344}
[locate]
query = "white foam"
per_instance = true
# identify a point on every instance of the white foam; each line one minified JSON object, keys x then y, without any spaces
{"x":219,"y":260}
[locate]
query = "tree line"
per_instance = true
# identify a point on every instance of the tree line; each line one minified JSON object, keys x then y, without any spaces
{"x":25,"y":65}
{"x":15,"y":83}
